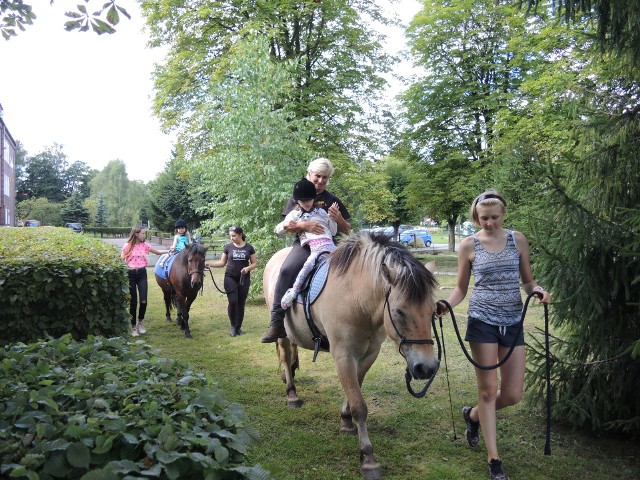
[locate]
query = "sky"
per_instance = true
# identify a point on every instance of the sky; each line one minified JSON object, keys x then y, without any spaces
{"x":92,"y":93}
{"x":89,"y":93}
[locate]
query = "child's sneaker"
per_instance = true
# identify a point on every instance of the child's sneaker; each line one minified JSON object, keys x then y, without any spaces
{"x":287,"y":298}
{"x":134,"y":332}
{"x":140,"y":327}
{"x":472,"y":427}
{"x":496,"y":472}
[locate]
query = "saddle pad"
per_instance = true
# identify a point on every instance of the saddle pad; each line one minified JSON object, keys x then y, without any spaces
{"x":163,"y":265}
{"x":317,"y":282}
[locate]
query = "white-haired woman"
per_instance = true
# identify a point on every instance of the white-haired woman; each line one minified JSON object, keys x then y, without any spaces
{"x":319,"y":172}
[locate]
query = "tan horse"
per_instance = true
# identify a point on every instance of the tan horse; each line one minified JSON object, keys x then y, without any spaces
{"x":375,"y":288}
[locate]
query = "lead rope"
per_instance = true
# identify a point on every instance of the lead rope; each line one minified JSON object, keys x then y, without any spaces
{"x":547,"y":447}
{"x":222,"y":291}
{"x":446,"y":370}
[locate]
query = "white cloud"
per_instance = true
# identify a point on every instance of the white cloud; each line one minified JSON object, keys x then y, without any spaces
{"x":90,"y":93}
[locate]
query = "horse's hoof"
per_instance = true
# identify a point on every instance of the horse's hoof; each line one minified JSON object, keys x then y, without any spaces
{"x":187,"y":334}
{"x":297,"y":403}
{"x":349,"y":430}
{"x":168,"y":319}
{"x":371,"y":472}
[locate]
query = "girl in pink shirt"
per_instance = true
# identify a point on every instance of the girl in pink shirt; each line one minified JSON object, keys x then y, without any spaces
{"x":135,"y":253}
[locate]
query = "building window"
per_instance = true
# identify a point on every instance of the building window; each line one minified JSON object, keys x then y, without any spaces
{"x":7,"y":185}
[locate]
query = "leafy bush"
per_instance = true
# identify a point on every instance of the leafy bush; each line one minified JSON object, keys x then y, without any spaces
{"x":109,"y":409}
{"x":55,"y":281}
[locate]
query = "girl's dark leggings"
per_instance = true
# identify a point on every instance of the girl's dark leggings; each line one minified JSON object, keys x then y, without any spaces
{"x":138,"y":284}
{"x":238,"y":290}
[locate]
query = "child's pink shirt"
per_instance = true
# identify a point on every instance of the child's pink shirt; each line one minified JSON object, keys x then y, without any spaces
{"x":138,"y":256}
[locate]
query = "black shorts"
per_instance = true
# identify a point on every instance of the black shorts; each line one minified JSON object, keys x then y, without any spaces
{"x":481,"y":332}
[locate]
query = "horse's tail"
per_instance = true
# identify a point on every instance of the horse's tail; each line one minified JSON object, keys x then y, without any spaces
{"x":174,"y":299}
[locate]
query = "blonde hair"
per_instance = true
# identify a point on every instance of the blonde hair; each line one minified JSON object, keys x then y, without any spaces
{"x":321,"y":166}
{"x":488,"y":198}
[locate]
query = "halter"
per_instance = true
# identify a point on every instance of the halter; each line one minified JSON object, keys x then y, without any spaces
{"x":404,"y":340}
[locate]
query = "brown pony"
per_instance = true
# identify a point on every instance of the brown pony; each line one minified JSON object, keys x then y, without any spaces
{"x":375,"y":288}
{"x":184,"y":281}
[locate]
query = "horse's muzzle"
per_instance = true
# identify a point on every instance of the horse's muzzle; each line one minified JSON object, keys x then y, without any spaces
{"x":424,"y":370}
{"x":196,"y":285}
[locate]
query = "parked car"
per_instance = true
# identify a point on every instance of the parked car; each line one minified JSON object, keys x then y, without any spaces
{"x":32,"y":223}
{"x":401,"y":228}
{"x":77,"y":227}
{"x":408,"y":236}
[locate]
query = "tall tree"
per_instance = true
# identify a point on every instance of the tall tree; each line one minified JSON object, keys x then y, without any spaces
{"x":123,"y":198}
{"x":464,"y":49}
{"x":73,"y":210}
{"x":102,"y":213}
{"x":170,"y":198}
{"x":338,"y":56}
{"x":40,"y":209}
{"x":617,"y":23}
{"x":579,"y":115}
{"x":43,"y":175}
{"x":254,"y":152}
{"x":391,"y":180}
{"x":77,"y":178}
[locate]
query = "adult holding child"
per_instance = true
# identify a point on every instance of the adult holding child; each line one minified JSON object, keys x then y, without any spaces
{"x":134,"y":252}
{"x":498,"y":259}
{"x":319,"y":172}
{"x":304,"y":193}
{"x":240,"y":258}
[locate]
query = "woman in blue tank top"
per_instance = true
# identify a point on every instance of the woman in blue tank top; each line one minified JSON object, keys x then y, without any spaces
{"x":498,"y":259}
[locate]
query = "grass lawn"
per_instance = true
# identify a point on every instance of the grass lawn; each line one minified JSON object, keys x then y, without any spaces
{"x":412,"y":438}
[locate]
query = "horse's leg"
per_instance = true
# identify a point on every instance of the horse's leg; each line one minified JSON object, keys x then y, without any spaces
{"x":167,"y":304}
{"x":179,"y":320}
{"x":185,"y":323}
{"x":185,"y":317}
{"x":295,"y":362}
{"x":288,"y":355}
{"x":346,"y":419}
{"x":351,"y":376}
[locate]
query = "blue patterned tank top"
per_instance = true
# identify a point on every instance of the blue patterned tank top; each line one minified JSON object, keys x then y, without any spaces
{"x":496,"y":298}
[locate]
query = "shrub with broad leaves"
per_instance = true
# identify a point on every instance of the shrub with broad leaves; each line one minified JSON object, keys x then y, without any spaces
{"x":110,"y":409}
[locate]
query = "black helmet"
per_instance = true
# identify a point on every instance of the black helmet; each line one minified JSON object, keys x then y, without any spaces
{"x":181,"y":223}
{"x":304,"y":190}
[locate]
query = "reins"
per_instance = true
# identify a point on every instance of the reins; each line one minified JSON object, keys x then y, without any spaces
{"x":547,"y":447}
{"x":241,"y":283}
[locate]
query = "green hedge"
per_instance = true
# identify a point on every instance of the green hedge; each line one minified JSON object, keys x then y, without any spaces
{"x":108,"y":409}
{"x":55,"y":281}
{"x":108,"y":231}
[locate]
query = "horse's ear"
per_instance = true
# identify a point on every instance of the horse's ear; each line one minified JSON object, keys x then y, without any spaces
{"x":431,"y":266}
{"x":388,"y":274}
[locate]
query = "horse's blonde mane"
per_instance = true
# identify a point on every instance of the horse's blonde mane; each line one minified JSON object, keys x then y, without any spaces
{"x":370,"y":251}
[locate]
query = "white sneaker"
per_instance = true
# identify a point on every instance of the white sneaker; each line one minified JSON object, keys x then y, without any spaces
{"x":287,"y":298}
{"x":134,"y":332}
{"x":140,"y":327}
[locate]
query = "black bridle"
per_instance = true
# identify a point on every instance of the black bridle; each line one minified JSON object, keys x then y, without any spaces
{"x":409,"y":341}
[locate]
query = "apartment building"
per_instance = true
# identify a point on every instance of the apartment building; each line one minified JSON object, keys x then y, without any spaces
{"x":7,"y":175}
